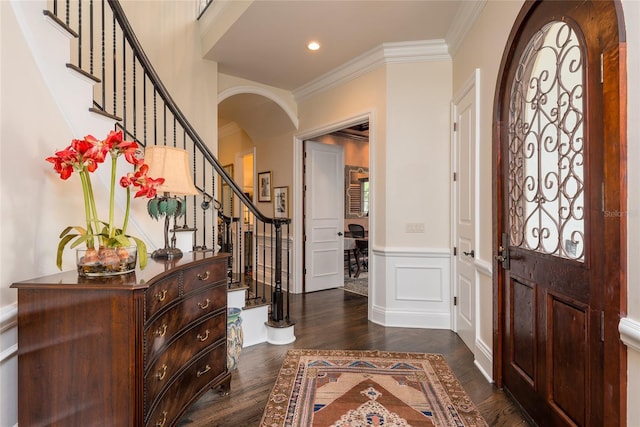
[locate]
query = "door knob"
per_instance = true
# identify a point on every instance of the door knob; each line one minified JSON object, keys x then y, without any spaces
{"x":471,"y":253}
{"x":339,"y":233}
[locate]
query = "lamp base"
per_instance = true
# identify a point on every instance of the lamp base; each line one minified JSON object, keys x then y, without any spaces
{"x":166,"y":253}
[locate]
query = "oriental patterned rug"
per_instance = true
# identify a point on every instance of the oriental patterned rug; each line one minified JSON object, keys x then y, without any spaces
{"x":322,"y":388}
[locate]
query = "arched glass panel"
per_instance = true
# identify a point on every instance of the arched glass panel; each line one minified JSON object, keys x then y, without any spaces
{"x":546,"y":145}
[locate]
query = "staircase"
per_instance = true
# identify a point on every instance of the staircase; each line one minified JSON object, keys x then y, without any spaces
{"x":109,"y":83}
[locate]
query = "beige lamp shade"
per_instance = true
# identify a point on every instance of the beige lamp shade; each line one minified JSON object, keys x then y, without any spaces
{"x":172,"y":164}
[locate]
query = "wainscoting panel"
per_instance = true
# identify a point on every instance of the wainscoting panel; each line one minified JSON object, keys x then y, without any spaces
{"x":266,"y":262}
{"x":412,"y":288}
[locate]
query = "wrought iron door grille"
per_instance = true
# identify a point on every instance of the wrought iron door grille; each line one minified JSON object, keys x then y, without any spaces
{"x":546,"y":145}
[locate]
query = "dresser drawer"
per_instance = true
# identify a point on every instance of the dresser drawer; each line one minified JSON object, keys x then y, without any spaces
{"x":205,"y":274}
{"x":162,"y":293}
{"x":179,"y":354}
{"x":187,"y":387}
{"x":163,"y":330}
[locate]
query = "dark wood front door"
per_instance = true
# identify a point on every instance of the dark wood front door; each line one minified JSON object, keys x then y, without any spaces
{"x":559,"y":227}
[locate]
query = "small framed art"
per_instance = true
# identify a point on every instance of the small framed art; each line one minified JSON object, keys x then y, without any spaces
{"x":281,"y":202}
{"x":264,"y":186}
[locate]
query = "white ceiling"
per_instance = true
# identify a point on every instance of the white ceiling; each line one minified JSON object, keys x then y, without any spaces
{"x":267,"y":43}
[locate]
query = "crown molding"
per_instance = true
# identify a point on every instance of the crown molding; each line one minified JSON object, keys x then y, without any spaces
{"x":387,"y":53}
{"x":463,"y":21}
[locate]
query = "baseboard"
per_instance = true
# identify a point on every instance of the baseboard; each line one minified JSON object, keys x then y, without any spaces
{"x":483,"y":359}
{"x":410,"y":319}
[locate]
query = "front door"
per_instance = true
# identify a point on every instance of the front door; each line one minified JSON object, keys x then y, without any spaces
{"x":558,"y":254}
{"x":324,"y":216}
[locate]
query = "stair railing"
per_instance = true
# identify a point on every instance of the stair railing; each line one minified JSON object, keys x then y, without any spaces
{"x":129,"y":91}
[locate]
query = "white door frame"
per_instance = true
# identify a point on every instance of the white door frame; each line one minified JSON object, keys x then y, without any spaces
{"x":298,"y":208}
{"x":472,"y":84}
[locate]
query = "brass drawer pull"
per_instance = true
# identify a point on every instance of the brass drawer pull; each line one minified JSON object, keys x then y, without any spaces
{"x":162,"y":372}
{"x":204,"y":304}
{"x":205,"y":337}
{"x":204,"y":371}
{"x":161,"y":330}
{"x":204,"y":276}
{"x":160,"y":296}
{"x":164,"y":419}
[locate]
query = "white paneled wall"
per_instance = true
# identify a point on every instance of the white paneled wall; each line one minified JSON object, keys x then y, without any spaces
{"x":415,"y":290}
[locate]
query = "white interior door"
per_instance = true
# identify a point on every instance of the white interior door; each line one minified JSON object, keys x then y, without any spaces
{"x":324,"y":216}
{"x":464,"y":111}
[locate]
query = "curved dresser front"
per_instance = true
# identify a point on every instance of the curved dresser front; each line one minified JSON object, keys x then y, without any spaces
{"x":136,"y":349}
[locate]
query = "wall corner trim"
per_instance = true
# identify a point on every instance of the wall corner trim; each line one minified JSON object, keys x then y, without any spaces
{"x":630,"y":333}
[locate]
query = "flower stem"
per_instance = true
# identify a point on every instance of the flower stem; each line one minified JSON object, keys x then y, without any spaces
{"x":114,"y":160}
{"x":126,"y":212}
{"x":86,"y":191}
{"x":92,"y":203}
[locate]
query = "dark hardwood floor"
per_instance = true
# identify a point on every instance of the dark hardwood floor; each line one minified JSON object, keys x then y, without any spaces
{"x":336,"y":319}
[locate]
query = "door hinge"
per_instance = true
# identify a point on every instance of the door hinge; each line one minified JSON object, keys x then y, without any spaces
{"x":455,"y":300}
{"x":455,"y":126}
{"x":455,"y":176}
{"x":602,"y":326}
{"x":455,"y":251}
{"x":601,"y":67}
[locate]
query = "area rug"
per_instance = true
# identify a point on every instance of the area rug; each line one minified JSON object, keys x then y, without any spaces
{"x":357,"y":285}
{"x":323,"y":388}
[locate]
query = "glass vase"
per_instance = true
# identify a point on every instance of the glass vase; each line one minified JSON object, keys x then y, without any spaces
{"x":106,"y":261}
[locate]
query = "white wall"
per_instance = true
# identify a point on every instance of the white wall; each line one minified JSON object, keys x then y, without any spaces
{"x":482,"y":48}
{"x":170,"y":36}
{"x":409,"y":172}
{"x":35,"y":204}
{"x":32,"y":128}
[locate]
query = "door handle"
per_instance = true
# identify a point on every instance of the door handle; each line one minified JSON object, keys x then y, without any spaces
{"x":503,"y":255}
{"x":471,"y":253}
{"x":339,"y":233}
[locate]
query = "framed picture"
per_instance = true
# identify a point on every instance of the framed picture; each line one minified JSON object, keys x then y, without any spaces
{"x":264,"y":186}
{"x":281,"y":202}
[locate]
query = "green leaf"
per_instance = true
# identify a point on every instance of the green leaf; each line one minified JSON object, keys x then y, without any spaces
{"x":79,"y":240}
{"x":79,"y":229}
{"x":142,"y":252}
{"x":172,"y":207}
{"x":162,"y":206}
{"x":63,"y":242}
{"x":120,"y":240}
{"x":152,"y":208}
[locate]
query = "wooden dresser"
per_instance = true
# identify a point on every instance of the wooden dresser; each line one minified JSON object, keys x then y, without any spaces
{"x":131,"y":350}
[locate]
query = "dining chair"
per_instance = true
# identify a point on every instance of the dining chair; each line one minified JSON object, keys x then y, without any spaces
{"x":356,"y":230}
{"x":362,"y":246}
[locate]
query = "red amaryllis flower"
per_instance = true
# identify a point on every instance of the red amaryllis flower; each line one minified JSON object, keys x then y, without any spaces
{"x":84,"y":155}
{"x":148,"y":186}
{"x":130,"y":151}
{"x":65,"y":161}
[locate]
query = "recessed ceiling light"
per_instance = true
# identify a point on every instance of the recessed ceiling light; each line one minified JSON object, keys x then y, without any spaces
{"x":313,"y":46}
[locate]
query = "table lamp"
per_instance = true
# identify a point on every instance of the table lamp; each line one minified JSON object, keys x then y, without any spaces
{"x":172,"y":164}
